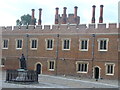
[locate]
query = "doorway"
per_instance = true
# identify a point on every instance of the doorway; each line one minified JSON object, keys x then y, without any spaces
{"x":38,"y":68}
{"x":96,"y":72}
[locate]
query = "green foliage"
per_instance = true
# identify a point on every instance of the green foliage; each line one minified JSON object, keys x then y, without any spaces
{"x":25,"y":20}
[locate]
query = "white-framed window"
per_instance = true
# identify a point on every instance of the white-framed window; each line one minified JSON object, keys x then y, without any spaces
{"x":33,"y":43}
{"x":66,"y":43}
{"x":103,"y":44}
{"x":83,"y":46}
{"x":49,"y":43}
{"x":19,"y":43}
{"x":110,"y":68}
{"x":3,"y":62}
{"x":5,"y":43}
{"x":82,"y":67}
{"x":51,"y":65}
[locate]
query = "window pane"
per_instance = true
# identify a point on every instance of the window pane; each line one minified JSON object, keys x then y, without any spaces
{"x":85,"y":68}
{"x":101,"y":44}
{"x":65,"y":44}
{"x":82,"y":44}
{"x":48,"y":42}
{"x":105,"y":44}
{"x":51,"y":44}
{"x":5,"y":44}
{"x":111,"y":69}
{"x":85,"y":44}
{"x":68,"y":44}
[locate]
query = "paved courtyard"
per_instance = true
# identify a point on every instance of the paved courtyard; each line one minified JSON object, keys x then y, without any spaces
{"x":47,"y":81}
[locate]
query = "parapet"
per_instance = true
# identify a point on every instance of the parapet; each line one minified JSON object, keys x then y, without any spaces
{"x":61,"y":28}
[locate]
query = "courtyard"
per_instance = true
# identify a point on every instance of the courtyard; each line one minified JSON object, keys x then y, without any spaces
{"x":48,"y":81}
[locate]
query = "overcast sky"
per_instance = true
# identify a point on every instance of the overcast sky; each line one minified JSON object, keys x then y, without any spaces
{"x":11,"y":10}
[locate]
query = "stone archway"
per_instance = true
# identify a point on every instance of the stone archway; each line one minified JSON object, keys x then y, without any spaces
{"x":97,"y":72}
{"x":38,"y":68}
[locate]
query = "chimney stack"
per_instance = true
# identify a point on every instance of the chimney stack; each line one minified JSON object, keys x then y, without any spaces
{"x":93,"y":14}
{"x":32,"y":18}
{"x":56,"y":16}
{"x":39,"y":20}
{"x":64,"y":21}
{"x":101,"y":14}
{"x":75,"y":11}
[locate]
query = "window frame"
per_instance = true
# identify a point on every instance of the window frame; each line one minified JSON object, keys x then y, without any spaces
{"x":46,"y":42}
{"x":80,"y":44}
{"x":17,"y":43}
{"x":107,"y":40}
{"x":63,"y":43}
{"x":31,"y":43}
{"x":3,"y":43}
{"x":49,"y":69}
{"x":82,"y":62}
{"x":106,"y":71}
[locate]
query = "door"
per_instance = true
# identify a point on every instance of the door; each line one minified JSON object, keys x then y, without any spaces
{"x":38,"y":68}
{"x":96,"y":73}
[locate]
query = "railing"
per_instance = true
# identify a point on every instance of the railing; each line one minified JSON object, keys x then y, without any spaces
{"x":21,"y":76}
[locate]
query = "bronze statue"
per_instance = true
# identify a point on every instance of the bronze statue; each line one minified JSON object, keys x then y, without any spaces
{"x":22,"y":62}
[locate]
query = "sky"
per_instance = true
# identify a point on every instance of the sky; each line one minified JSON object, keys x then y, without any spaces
{"x":11,"y":10}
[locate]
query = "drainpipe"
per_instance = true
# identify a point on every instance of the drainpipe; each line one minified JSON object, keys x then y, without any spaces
{"x":93,"y":51}
{"x":57,"y":48}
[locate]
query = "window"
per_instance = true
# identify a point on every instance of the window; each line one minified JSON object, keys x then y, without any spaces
{"x":19,"y":43}
{"x":66,"y":44}
{"x":34,"y":44}
{"x":110,"y":68}
{"x":103,"y":44}
{"x":51,"y":65}
{"x":2,"y":62}
{"x":49,"y":44}
{"x":83,"y":44}
{"x":82,"y":67}
{"x":5,"y":44}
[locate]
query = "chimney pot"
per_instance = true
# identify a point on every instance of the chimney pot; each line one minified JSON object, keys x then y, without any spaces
{"x":32,"y":18}
{"x":93,"y":14}
{"x":39,"y":20}
{"x":64,"y":21}
{"x":101,"y":14}
{"x":56,"y":16}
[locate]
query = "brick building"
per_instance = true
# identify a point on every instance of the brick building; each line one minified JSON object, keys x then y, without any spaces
{"x":65,"y":48}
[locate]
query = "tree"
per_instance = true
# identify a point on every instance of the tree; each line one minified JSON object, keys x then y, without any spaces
{"x":25,"y":20}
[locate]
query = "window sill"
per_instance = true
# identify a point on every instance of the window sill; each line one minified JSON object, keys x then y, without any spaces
{"x":33,"y":49}
{"x":83,"y":50}
{"x":103,"y":50}
{"x":49,"y":49}
{"x":51,"y":69}
{"x":81,"y":72}
{"x":4,"y":48}
{"x":109,"y":74}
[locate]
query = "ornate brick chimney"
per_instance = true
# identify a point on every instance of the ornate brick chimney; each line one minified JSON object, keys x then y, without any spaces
{"x":64,"y":18}
{"x":56,"y":16}
{"x":101,"y":14}
{"x":75,"y":14}
{"x":33,"y":18}
{"x":39,"y":20}
{"x":93,"y":14}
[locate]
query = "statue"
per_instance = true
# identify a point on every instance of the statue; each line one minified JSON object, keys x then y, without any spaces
{"x":22,"y":62}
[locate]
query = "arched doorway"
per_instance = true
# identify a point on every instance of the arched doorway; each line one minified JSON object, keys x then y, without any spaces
{"x":39,"y":68}
{"x":96,"y":72}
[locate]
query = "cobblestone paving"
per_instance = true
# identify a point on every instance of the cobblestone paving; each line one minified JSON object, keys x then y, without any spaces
{"x":47,"y":81}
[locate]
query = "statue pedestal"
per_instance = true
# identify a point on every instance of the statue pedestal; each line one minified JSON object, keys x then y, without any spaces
{"x":22,"y":75}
